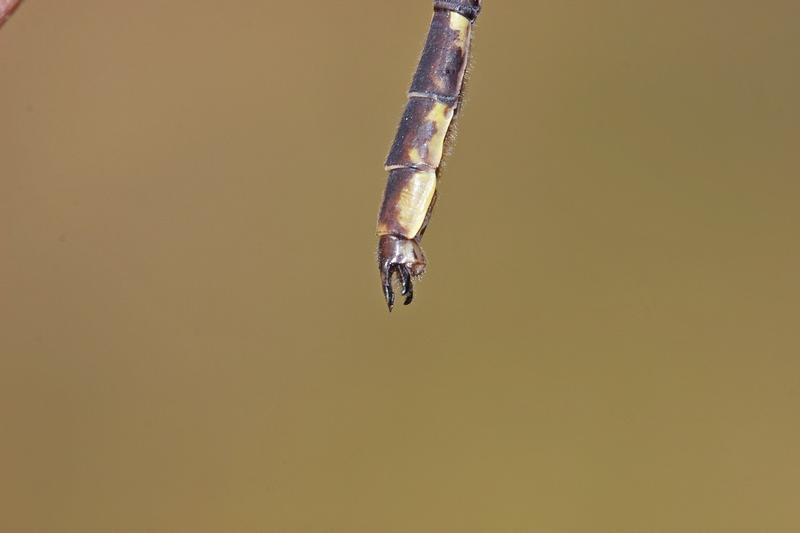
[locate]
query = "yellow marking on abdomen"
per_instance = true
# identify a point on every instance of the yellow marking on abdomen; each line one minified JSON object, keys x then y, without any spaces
{"x":440,"y":116}
{"x":412,"y":204}
{"x":460,"y":24}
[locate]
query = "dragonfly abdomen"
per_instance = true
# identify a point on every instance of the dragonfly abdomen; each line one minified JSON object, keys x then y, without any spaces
{"x":419,"y":145}
{"x":433,"y":100}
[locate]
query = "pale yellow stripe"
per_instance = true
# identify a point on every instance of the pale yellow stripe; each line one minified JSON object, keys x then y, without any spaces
{"x":440,"y":115}
{"x":460,"y":24}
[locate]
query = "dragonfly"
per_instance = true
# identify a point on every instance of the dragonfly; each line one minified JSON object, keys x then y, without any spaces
{"x":415,"y":156}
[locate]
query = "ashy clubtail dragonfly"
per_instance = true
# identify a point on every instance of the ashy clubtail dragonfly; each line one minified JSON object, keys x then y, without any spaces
{"x":416,"y":154}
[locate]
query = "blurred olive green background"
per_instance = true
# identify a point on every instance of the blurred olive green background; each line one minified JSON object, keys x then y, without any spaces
{"x":192,"y":334}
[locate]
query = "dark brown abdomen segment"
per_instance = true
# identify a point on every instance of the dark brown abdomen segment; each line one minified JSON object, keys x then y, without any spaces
{"x":443,"y":62}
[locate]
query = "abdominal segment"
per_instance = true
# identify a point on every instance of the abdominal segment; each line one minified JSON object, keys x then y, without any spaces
{"x":408,"y":195}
